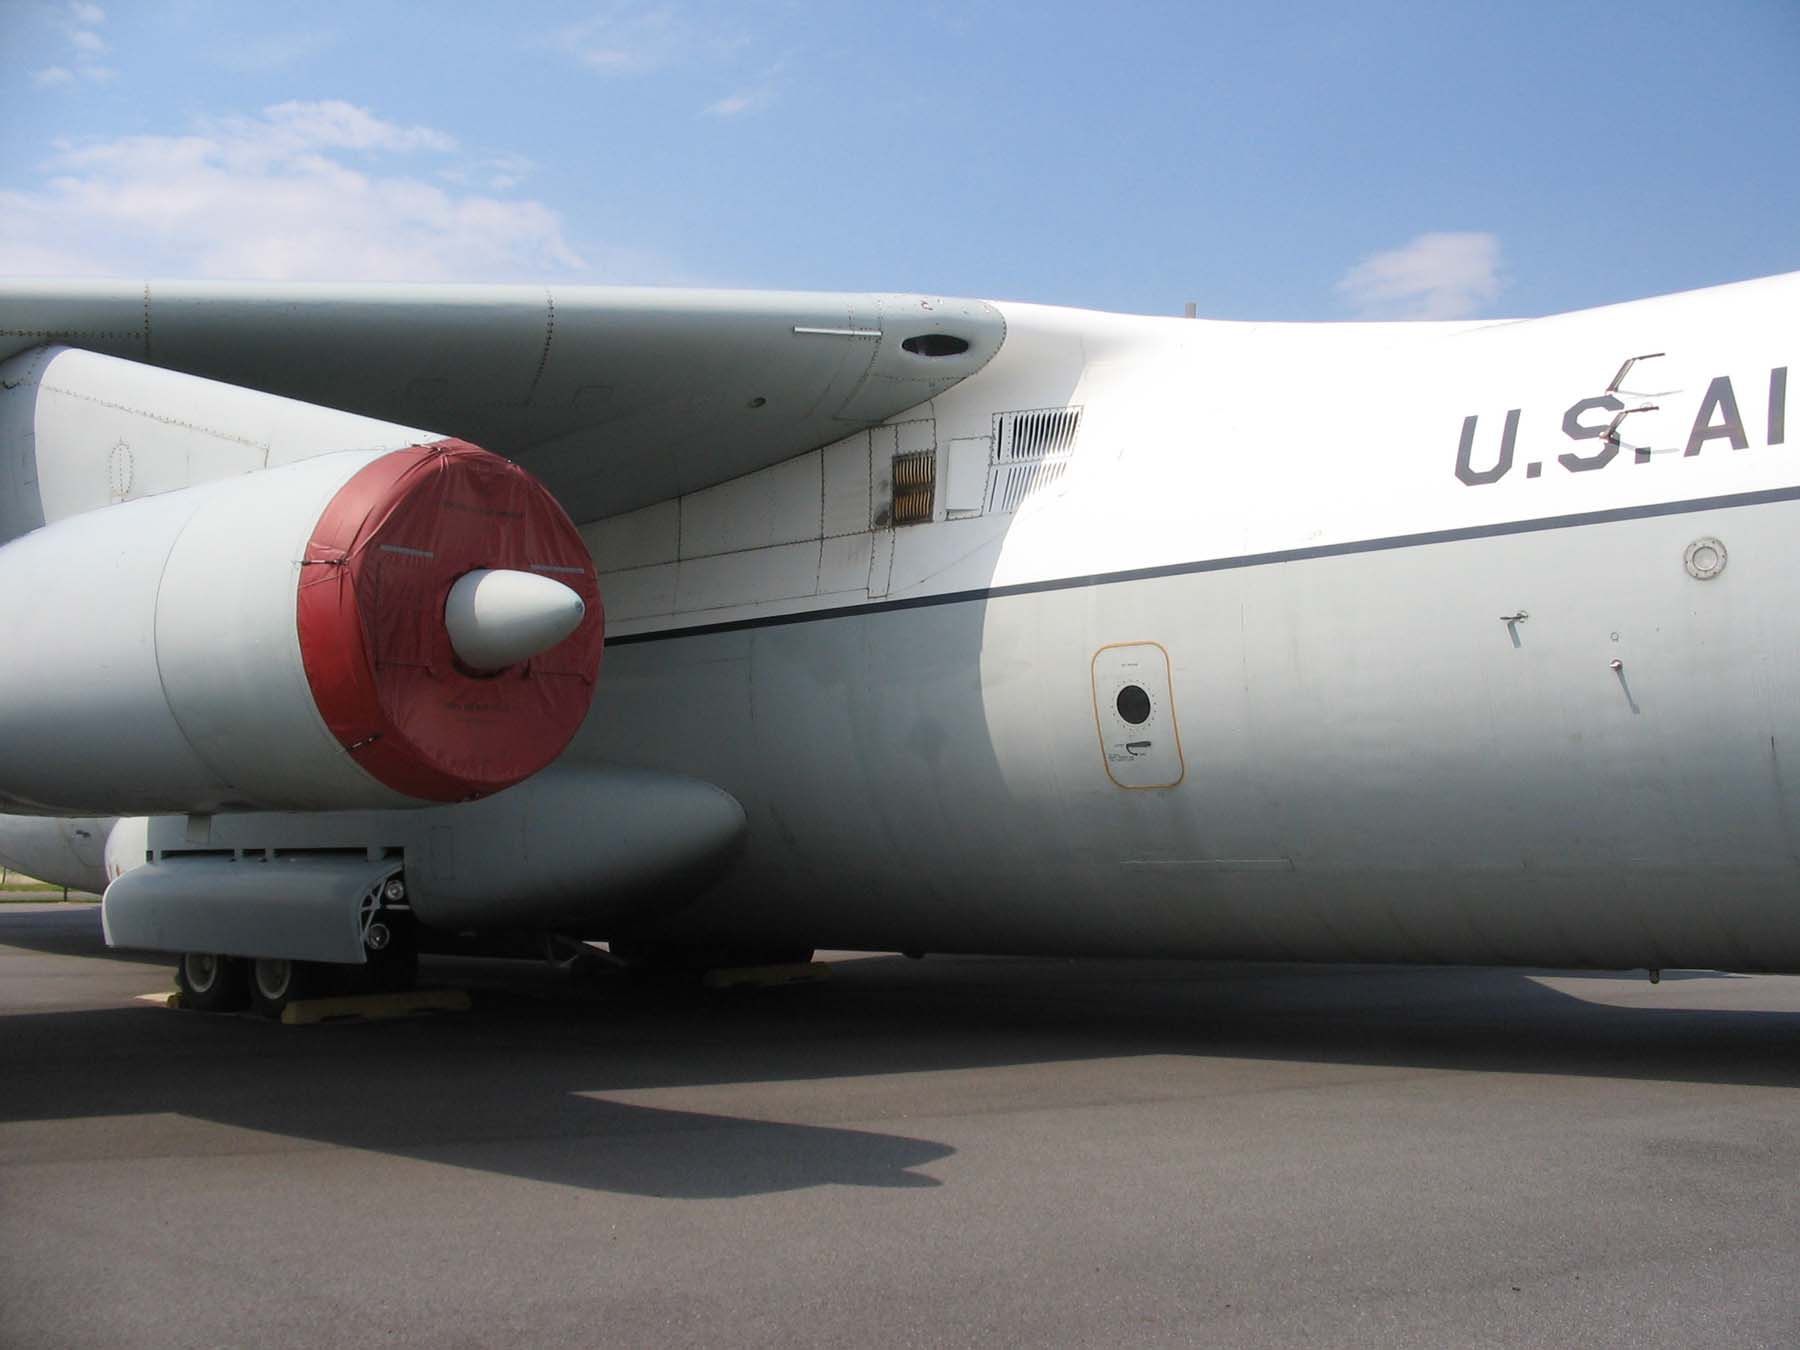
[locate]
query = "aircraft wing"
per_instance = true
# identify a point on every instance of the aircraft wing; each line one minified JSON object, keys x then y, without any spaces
{"x":615,"y":397}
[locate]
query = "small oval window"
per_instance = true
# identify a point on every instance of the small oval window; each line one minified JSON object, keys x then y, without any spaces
{"x":1133,"y":704}
{"x":935,"y":344}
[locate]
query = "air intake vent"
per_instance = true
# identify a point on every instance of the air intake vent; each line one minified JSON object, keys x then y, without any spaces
{"x":1032,"y":451}
{"x":1035,"y":435}
{"x":935,"y":345}
{"x":915,"y":484}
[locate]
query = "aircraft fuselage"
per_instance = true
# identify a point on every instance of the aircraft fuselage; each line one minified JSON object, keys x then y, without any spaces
{"x":1431,"y":666}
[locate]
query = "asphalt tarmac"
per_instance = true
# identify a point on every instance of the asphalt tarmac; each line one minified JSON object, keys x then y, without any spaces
{"x":949,"y":1152}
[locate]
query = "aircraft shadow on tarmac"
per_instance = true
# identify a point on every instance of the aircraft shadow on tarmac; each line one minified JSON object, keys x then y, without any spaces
{"x":521,"y":1086}
{"x":66,"y":930}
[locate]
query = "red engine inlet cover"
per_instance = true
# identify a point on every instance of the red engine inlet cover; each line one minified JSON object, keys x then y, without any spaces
{"x":373,"y":584}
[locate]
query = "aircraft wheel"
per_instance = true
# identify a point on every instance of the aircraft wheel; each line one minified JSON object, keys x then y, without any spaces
{"x":276,"y":982}
{"x":212,"y":983}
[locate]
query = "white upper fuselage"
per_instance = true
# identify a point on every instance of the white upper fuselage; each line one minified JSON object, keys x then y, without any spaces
{"x":1201,"y":442}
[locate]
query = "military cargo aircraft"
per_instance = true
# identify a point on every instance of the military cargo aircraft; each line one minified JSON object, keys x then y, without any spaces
{"x":343,"y":620}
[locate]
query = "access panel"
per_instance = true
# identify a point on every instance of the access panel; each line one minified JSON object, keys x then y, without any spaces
{"x":1134,"y":711}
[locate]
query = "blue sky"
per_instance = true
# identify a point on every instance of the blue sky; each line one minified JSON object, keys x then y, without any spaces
{"x":1282,"y":161}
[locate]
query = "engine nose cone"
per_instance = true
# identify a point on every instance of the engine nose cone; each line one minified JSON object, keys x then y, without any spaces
{"x":497,"y":618}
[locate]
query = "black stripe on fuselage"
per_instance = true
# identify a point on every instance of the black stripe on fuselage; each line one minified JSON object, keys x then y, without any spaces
{"x":1391,"y":542}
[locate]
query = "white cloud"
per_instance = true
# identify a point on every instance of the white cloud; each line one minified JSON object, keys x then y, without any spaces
{"x":500,"y":173}
{"x":631,"y":39}
{"x":1433,"y":276}
{"x":624,"y":41}
{"x":79,"y":24}
{"x":336,"y":125}
{"x":736,"y":105}
{"x":304,"y":190}
{"x":754,"y":97}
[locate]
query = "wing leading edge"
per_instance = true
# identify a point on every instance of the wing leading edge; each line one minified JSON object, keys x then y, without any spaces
{"x":614,"y":396}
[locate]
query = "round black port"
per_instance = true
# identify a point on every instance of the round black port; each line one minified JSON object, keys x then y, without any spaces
{"x":935,"y":344}
{"x":1133,"y":704}
{"x":758,"y":401}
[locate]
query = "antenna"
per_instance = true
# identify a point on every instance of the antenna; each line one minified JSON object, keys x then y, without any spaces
{"x":1630,"y":361}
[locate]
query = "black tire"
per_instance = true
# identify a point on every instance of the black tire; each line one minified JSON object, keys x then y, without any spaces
{"x":275,"y":983}
{"x":212,"y":983}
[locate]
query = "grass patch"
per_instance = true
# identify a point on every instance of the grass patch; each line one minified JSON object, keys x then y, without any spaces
{"x":19,"y":890}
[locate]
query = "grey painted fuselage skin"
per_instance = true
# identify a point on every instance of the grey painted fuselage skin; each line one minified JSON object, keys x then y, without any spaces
{"x":1423,"y":720}
{"x":1388,"y":784}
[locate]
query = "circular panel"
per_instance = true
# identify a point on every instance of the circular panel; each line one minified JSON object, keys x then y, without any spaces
{"x":1133,"y":704}
{"x":1704,"y":559}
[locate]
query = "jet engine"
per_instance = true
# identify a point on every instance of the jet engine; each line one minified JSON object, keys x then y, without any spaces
{"x":359,"y":629}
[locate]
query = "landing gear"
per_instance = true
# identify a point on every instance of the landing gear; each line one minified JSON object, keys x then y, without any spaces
{"x":390,"y":942}
{"x":276,"y":982}
{"x":212,"y":983}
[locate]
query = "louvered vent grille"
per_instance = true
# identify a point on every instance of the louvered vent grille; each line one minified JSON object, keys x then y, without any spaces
{"x":1032,"y":451}
{"x":915,"y":483}
{"x":1014,"y":483}
{"x":1035,"y":435}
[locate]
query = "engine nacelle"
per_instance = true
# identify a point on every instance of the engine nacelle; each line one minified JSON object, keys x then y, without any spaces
{"x":63,"y":850}
{"x":277,"y":640}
